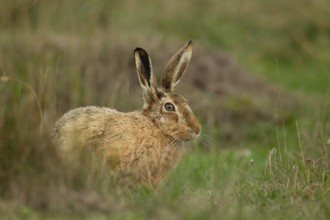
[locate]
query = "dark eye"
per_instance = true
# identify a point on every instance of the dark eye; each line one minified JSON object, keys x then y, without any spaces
{"x":169,"y":107}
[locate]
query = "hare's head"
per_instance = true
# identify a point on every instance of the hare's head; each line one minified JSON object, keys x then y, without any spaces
{"x":171,"y":112}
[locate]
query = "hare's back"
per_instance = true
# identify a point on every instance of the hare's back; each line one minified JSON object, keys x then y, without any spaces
{"x":99,"y":124}
{"x":84,"y":117}
{"x":82,"y":123}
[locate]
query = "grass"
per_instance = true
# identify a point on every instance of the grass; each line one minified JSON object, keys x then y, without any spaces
{"x":272,"y":162}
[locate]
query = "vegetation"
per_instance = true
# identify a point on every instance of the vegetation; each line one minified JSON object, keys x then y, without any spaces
{"x":258,"y":81}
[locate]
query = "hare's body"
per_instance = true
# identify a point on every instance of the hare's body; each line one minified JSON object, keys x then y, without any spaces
{"x":146,"y":143}
{"x":140,"y":148}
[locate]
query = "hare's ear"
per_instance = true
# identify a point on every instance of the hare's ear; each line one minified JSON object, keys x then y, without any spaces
{"x":145,"y":74}
{"x":176,"y":67}
{"x":144,"y":69}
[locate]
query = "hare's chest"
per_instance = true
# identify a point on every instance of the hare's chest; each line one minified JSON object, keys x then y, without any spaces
{"x":157,"y":157}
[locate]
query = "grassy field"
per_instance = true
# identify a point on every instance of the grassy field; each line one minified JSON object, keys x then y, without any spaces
{"x":258,"y":81}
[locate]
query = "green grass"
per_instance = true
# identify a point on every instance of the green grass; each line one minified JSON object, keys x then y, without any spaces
{"x":55,"y":56}
{"x":226,"y":184}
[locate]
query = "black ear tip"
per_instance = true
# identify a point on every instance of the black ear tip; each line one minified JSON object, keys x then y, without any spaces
{"x":140,"y":50}
{"x":141,"y":53}
{"x":189,"y":42}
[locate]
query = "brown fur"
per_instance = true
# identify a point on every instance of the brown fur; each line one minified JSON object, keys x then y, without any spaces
{"x":146,"y":143}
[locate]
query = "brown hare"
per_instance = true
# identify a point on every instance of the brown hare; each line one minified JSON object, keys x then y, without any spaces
{"x":146,"y":143}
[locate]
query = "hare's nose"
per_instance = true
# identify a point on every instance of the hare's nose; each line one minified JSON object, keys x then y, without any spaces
{"x":194,"y":125}
{"x":196,"y":129}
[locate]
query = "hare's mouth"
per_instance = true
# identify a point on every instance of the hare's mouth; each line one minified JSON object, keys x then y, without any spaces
{"x":189,"y":136}
{"x":180,"y":140}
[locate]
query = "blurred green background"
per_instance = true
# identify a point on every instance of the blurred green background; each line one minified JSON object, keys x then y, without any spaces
{"x":258,"y":81}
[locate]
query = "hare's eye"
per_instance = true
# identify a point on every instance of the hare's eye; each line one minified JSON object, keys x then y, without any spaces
{"x":169,"y":107}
